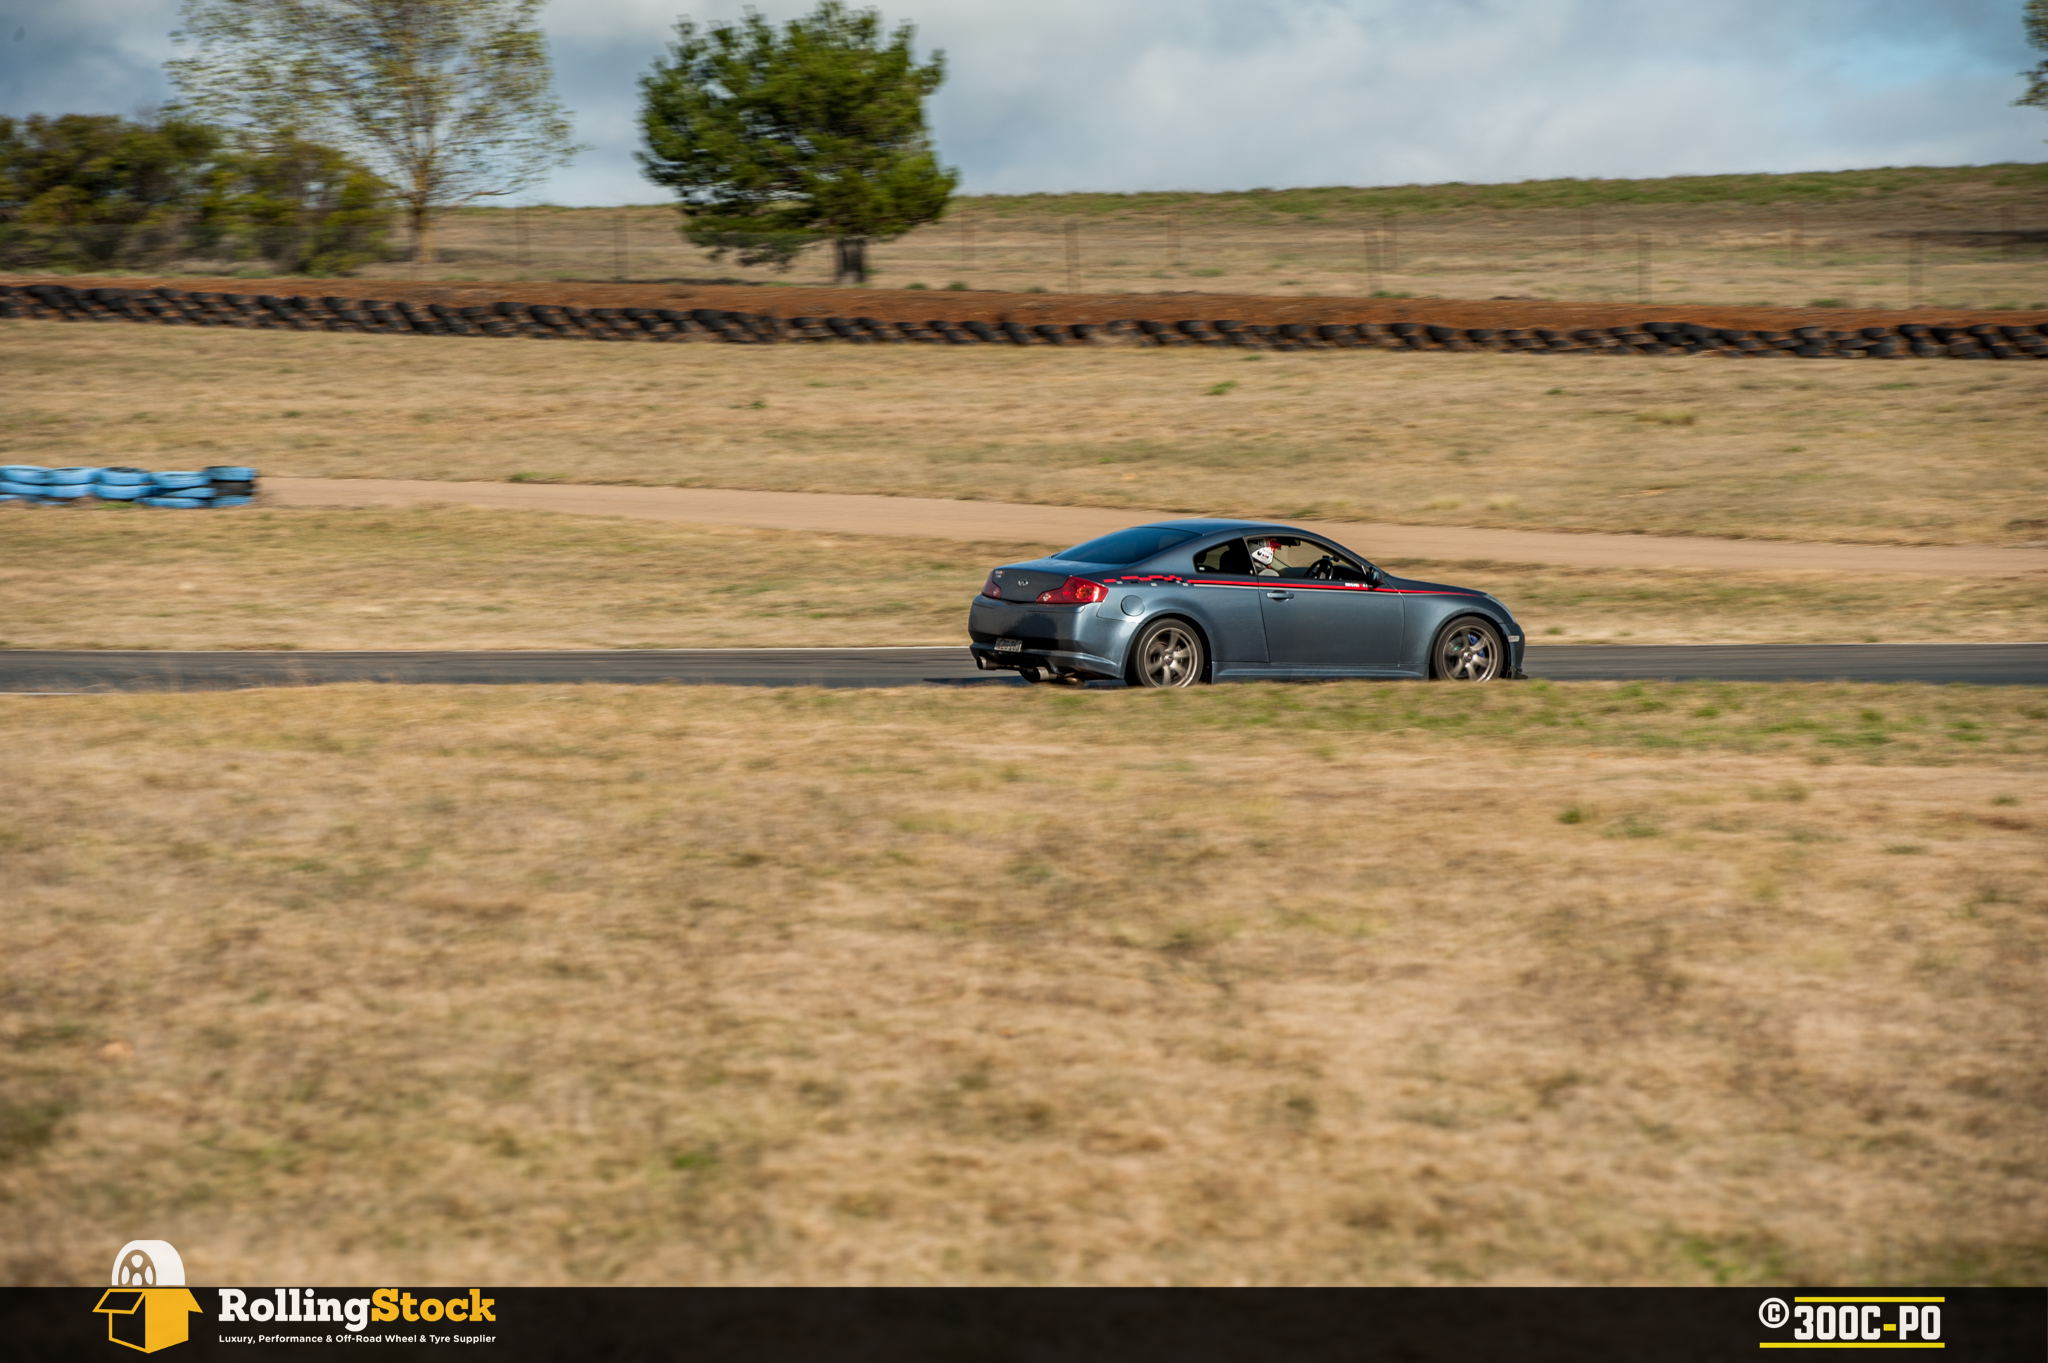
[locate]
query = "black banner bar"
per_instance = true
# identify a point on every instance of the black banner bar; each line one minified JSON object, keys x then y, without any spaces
{"x":947,"y":1325}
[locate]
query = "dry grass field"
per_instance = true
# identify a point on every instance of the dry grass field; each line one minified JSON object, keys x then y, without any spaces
{"x":1841,"y":240}
{"x":452,"y":577}
{"x":1353,"y":983}
{"x":1920,"y":452}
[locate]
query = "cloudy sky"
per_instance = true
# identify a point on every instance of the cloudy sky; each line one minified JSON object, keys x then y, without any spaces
{"x":1221,"y":94}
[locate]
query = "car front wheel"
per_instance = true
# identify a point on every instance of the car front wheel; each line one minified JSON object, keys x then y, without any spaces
{"x":1469,"y":650}
{"x":1167,"y":653}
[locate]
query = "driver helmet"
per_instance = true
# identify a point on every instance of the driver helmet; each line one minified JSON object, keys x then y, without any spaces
{"x":1263,"y":555}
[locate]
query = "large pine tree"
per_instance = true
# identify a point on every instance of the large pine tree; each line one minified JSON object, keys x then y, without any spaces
{"x":775,"y":140}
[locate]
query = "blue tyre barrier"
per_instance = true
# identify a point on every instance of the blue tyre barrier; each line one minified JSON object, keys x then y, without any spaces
{"x":6,"y":497}
{"x":114,"y":492}
{"x":15,"y":489}
{"x":204,"y":491}
{"x":124,"y":477}
{"x":65,"y":492}
{"x":24,"y":473}
{"x":68,"y":477}
{"x":233,"y":501}
{"x":229,"y":473}
{"x":174,"y":501}
{"x":179,"y":478}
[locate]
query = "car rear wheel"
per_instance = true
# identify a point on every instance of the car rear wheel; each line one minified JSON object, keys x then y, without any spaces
{"x":1168,"y":653}
{"x":1470,"y":650}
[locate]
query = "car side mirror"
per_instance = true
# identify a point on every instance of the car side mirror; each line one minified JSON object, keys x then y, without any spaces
{"x":1373,"y":576}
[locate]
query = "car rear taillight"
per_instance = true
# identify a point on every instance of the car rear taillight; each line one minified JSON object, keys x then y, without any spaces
{"x":992,"y":587}
{"x":1075,"y":591}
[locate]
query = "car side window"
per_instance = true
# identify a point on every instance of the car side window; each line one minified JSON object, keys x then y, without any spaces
{"x":1343,"y":569}
{"x":1293,"y":557}
{"x":1229,"y":557}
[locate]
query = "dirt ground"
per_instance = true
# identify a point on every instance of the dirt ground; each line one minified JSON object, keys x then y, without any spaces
{"x":1861,"y":452}
{"x":965,"y":305}
{"x":1059,"y":526}
{"x":451,"y":577}
{"x":1346,"y":984}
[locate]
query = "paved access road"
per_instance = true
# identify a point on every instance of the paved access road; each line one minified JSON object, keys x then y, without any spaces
{"x":26,"y":671}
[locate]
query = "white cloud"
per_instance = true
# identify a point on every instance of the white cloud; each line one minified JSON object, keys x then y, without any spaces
{"x":1211,"y":94}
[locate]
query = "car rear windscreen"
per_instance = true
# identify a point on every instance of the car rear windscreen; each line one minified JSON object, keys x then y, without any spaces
{"x":1127,"y":546}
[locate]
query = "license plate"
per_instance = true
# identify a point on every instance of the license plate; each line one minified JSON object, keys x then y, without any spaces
{"x":1009,"y":645}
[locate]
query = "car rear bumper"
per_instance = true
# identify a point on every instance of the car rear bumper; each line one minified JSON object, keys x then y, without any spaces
{"x":1052,"y":638}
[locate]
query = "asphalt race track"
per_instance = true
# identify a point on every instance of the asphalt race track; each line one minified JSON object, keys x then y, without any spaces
{"x":24,"y":671}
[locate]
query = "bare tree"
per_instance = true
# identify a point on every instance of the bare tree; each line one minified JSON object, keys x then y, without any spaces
{"x":449,"y":101}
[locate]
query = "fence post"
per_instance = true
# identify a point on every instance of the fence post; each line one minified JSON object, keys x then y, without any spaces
{"x":1073,"y":254}
{"x":966,"y":243}
{"x":1798,"y":237}
{"x":1916,"y":268}
{"x":1642,"y":267}
{"x":1372,"y":263}
{"x":2005,"y":230}
{"x":1173,"y":240}
{"x":1390,"y":252}
{"x":619,"y":248}
{"x":1586,"y":236}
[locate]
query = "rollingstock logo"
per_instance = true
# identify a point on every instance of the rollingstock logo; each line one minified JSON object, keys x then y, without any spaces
{"x":1852,"y":1322}
{"x":351,"y":1312}
{"x":148,"y":1307}
{"x":303,"y":1306}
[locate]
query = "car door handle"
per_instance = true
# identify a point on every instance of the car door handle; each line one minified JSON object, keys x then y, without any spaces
{"x":1279,"y":596}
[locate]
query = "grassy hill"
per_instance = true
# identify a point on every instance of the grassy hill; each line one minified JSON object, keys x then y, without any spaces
{"x":1917,"y":186}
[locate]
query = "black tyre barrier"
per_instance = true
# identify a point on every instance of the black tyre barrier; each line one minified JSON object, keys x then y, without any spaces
{"x":510,"y":319}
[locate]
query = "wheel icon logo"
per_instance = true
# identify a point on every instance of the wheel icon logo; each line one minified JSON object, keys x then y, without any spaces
{"x":1773,"y":1313}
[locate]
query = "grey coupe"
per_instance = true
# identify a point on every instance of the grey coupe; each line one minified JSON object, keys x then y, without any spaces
{"x":1180,"y":602}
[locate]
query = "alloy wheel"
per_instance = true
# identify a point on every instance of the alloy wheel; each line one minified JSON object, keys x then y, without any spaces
{"x":1470,"y":650}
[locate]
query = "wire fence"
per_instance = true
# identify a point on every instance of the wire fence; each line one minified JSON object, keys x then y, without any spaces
{"x":1799,"y":256}
{"x":1994,"y":257}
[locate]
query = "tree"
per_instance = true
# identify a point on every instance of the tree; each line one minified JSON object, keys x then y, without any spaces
{"x":448,"y":101}
{"x":304,"y":207}
{"x":95,"y":190}
{"x":2037,"y":35}
{"x":773,"y":141}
